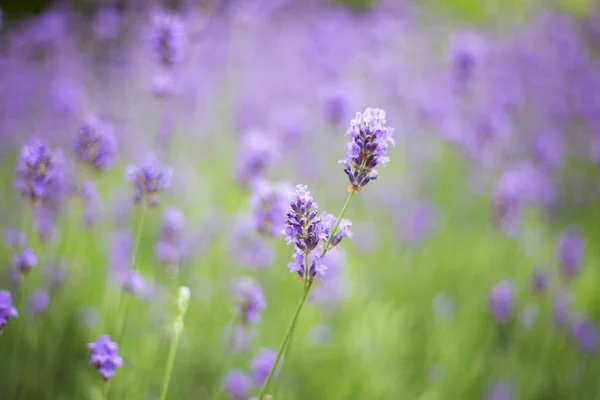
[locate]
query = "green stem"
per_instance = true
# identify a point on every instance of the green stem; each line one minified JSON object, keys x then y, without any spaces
{"x":286,"y":339}
{"x":286,"y":344}
{"x":170,"y":363}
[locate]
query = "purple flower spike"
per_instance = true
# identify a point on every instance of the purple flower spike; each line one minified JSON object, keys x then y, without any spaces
{"x":269,"y":204}
{"x":39,"y":168}
{"x":342,"y":231}
{"x":168,"y":37}
{"x":570,"y":251}
{"x":369,"y":141}
{"x":502,"y":390}
{"x":255,"y":155}
{"x":39,"y":301}
{"x":25,"y":261}
{"x":261,"y":365}
{"x":585,"y":334}
{"x":7,"y":310}
{"x":465,"y":54}
{"x":315,"y":262}
{"x":501,"y":300}
{"x":149,"y":178}
{"x":303,"y":227}
{"x":169,"y":246}
{"x":237,"y":384}
{"x":251,"y":301}
{"x":539,"y":281}
{"x":105,"y":357}
{"x":96,"y":144}
{"x":562,"y":308}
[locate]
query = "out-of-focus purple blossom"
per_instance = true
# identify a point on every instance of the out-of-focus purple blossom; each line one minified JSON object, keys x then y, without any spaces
{"x":562,"y":308}
{"x":7,"y":310}
{"x":106,"y":23}
{"x":548,"y":150}
{"x":105,"y":357}
{"x":38,"y":302}
{"x":150,"y":178}
{"x":167,"y":37}
{"x":465,"y":54}
{"x":45,"y":216}
{"x":529,"y":315}
{"x":237,"y":384}
{"x":585,"y":334}
{"x":250,"y":300}
{"x":256,"y":153}
{"x":501,"y":300}
{"x":539,"y":281}
{"x":96,"y":143}
{"x":25,"y":261}
{"x":39,"y":168}
{"x":331,"y":287}
{"x":419,"y":222}
{"x":163,"y":84}
{"x":343,"y":230}
{"x":268,"y":205}
{"x":369,"y":140}
{"x":570,"y":252}
{"x":249,"y":249}
{"x":261,"y":365}
{"x":132,"y":281}
{"x":502,"y":390}
{"x":14,"y":238}
{"x":169,"y":246}
{"x":91,"y":198}
{"x":337,"y":103}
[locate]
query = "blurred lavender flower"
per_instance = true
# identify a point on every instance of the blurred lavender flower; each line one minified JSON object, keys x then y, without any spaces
{"x":330,"y":288}
{"x":502,"y":390}
{"x":250,"y":300}
{"x":14,"y":238}
{"x":369,"y":141}
{"x":96,"y":143}
{"x":105,"y":356}
{"x":539,"y":281}
{"x":501,"y":300}
{"x":570,"y":251}
{"x":529,"y":315}
{"x":7,"y":310}
{"x":562,"y":308}
{"x":237,"y":383}
{"x":585,"y":334}
{"x":149,"y":178}
{"x":38,"y":169}
{"x":261,"y":365}
{"x":38,"y":302}
{"x":106,"y":23}
{"x":91,"y":198}
{"x":25,"y":261}
{"x":548,"y":150}
{"x":268,"y":204}
{"x":247,"y":247}
{"x":167,"y":37}
{"x":132,"y":281}
{"x":465,"y":54}
{"x":255,"y":155}
{"x":336,"y":102}
{"x":169,"y":246}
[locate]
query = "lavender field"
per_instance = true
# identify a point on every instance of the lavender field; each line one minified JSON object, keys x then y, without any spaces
{"x":300,"y":200}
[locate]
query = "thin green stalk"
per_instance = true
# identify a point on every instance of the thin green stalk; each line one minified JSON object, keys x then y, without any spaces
{"x":170,"y":363}
{"x":286,"y":344}
{"x":287,"y":337}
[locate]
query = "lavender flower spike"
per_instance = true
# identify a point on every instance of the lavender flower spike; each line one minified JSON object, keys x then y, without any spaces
{"x":168,"y":37}
{"x":250,"y":299}
{"x":149,"y":178}
{"x":261,"y":365}
{"x":105,"y":357}
{"x":96,"y":144}
{"x":25,"y":261}
{"x":501,"y":300}
{"x":303,"y":227}
{"x":38,"y":168}
{"x":369,"y":141}
{"x":342,"y":231}
{"x":237,"y":384}
{"x":7,"y":310}
{"x":570,"y":251}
